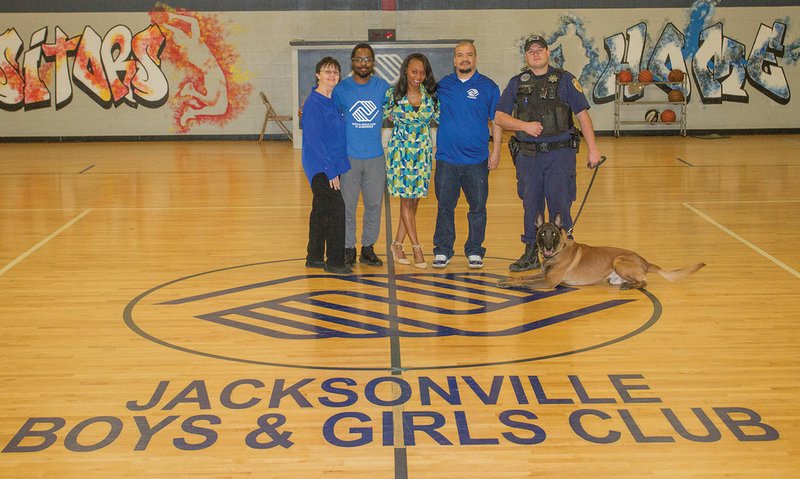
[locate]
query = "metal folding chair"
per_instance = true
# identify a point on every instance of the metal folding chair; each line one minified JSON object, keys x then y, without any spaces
{"x":271,"y":115}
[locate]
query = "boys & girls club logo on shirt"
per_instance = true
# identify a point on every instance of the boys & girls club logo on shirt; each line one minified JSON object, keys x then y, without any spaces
{"x":364,"y":111}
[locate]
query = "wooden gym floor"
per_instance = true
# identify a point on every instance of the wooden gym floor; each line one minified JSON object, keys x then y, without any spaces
{"x":157,"y":321}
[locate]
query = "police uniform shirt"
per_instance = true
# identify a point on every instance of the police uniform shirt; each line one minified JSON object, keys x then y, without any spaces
{"x":568,"y":91}
{"x":463,"y":134}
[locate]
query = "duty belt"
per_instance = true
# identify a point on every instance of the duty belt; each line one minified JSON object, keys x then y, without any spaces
{"x":530,"y":147}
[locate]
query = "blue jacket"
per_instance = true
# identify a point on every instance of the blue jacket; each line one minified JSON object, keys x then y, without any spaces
{"x":324,"y":146}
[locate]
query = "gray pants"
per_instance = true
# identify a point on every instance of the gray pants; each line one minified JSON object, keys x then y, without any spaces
{"x":368,"y":179}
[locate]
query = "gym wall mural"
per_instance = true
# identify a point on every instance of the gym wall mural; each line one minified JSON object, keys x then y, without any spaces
{"x":124,"y":69}
{"x":179,"y":72}
{"x":719,"y":65}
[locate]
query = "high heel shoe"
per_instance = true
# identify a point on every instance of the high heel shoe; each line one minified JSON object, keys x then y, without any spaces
{"x":396,"y":253}
{"x":418,"y":247}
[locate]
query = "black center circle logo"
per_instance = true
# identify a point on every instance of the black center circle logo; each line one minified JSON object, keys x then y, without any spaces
{"x":265,"y":313}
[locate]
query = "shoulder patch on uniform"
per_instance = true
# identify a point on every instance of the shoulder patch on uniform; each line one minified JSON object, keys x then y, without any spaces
{"x":577,"y":85}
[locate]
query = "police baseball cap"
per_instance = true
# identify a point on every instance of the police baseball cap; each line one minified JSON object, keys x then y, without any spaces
{"x":535,"y":40}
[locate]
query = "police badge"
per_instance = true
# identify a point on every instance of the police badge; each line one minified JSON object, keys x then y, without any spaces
{"x":553,"y":78}
{"x":525,"y":77}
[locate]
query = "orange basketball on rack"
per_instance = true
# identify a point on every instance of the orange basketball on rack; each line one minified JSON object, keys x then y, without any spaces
{"x":625,"y":76}
{"x":675,"y":96}
{"x":675,"y":76}
{"x":645,"y":76}
{"x":667,"y":116}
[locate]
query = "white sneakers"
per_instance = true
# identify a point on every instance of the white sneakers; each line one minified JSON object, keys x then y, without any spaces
{"x":475,"y":261}
{"x":440,"y":261}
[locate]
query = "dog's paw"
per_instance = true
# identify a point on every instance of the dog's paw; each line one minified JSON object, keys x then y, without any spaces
{"x":506,"y":283}
{"x":511,"y":283}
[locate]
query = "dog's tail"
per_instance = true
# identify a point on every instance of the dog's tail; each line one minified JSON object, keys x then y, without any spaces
{"x":675,"y":274}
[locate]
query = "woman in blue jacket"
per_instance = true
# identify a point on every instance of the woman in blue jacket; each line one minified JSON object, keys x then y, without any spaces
{"x":324,"y":160}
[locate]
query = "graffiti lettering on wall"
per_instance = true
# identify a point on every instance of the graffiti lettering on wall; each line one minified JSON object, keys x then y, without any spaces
{"x":179,"y":48}
{"x":119,"y":67}
{"x":719,"y":65}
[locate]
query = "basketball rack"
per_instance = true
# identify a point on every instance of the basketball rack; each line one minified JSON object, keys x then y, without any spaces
{"x":647,"y":100}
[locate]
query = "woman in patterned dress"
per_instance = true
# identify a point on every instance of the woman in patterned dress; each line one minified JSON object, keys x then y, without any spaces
{"x":411,"y":104}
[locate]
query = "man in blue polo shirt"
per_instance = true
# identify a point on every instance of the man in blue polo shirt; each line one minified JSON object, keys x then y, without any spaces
{"x":468,"y":101}
{"x":360,"y":99}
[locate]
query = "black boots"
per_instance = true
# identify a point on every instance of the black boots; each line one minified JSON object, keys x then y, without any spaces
{"x":338,"y":269}
{"x":350,"y":257}
{"x":369,"y":257}
{"x":528,"y":260}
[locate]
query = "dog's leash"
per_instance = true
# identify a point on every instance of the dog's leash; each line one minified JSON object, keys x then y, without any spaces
{"x":588,"y":189}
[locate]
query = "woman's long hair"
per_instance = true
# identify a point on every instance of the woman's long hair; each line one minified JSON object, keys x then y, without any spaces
{"x":401,"y":87}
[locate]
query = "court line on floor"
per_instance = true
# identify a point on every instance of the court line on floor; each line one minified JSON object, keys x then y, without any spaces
{"x":743,"y":241}
{"x":400,"y":451}
{"x":424,"y":206}
{"x":41,"y":243}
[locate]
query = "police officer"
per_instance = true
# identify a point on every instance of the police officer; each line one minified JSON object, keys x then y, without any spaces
{"x":538,"y":105}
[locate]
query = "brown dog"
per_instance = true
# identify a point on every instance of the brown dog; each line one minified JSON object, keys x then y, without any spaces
{"x":576,"y":264}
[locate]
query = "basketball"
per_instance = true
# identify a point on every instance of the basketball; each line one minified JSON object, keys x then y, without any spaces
{"x":675,"y":76}
{"x":675,"y":96}
{"x":651,"y":116}
{"x":667,"y":116}
{"x":645,"y":76}
{"x":625,"y":76}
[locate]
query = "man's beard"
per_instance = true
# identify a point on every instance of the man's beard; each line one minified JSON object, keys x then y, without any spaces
{"x":363,"y":75}
{"x":464,"y":70}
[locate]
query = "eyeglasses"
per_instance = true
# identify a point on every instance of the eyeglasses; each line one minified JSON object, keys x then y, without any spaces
{"x":330,"y":72}
{"x":362,"y":59}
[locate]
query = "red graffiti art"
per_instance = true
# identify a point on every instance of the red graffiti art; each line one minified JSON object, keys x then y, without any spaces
{"x":115,"y":69}
{"x":209,"y":92}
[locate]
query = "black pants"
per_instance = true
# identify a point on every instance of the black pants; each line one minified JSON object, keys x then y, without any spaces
{"x":326,"y":223}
